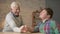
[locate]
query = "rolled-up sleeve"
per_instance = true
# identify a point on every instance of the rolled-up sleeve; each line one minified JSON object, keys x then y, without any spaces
{"x":36,"y":29}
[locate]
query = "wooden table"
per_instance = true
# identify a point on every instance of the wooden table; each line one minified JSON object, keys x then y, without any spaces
{"x":17,"y":33}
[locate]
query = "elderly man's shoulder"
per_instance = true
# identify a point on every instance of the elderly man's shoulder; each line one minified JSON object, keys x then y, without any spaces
{"x":9,"y":15}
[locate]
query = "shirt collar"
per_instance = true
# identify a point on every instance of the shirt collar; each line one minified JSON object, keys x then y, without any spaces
{"x":44,"y":20}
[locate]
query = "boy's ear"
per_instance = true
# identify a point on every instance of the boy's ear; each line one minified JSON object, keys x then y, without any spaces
{"x":48,"y":16}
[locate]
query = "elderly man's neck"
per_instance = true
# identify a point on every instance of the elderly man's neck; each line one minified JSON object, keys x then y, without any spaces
{"x":15,"y":15}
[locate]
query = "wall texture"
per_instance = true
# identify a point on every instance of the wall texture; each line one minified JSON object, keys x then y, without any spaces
{"x":55,"y":5}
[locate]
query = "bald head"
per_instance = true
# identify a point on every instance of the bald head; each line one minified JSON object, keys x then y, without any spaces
{"x":15,"y":8}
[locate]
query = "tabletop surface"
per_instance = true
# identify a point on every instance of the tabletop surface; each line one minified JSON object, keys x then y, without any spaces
{"x":17,"y":33}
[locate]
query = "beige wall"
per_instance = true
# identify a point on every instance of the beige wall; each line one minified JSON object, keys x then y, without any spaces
{"x":27,"y":7}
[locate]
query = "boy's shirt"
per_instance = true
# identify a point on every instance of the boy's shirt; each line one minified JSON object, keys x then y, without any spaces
{"x":48,"y":27}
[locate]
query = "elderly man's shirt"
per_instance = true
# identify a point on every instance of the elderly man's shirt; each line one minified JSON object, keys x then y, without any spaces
{"x":49,"y":27}
{"x":12,"y":23}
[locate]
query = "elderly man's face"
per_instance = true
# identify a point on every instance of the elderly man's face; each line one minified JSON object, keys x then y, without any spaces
{"x":16,"y":10}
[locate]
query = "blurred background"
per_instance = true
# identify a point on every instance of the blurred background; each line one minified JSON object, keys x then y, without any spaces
{"x":28,"y":7}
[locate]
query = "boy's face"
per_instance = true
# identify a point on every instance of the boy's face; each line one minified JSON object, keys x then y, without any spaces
{"x":43,"y":14}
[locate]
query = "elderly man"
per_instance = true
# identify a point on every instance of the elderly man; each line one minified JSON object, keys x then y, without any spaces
{"x":13,"y":21}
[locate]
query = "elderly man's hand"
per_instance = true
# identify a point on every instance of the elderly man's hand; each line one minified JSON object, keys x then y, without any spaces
{"x":24,"y":29}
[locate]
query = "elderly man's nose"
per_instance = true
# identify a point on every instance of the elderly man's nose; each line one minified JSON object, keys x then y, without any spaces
{"x":17,"y":10}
